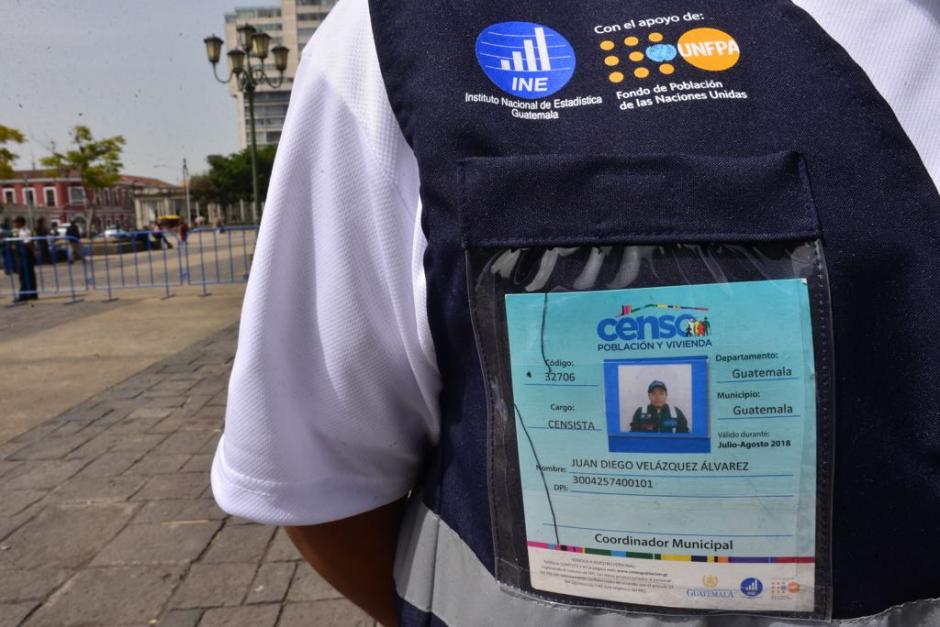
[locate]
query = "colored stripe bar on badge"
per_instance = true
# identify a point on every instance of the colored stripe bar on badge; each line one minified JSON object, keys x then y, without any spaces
{"x":715,"y":559}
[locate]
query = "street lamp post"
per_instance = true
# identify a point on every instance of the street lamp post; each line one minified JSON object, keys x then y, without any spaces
{"x":185,"y":172}
{"x":248,"y":77}
{"x":189,"y":211}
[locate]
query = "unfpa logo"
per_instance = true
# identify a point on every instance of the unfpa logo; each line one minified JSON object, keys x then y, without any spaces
{"x":525,"y":59}
{"x":707,"y":49}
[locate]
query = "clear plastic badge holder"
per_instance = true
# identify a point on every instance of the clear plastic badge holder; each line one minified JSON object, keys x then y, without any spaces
{"x":659,"y":381}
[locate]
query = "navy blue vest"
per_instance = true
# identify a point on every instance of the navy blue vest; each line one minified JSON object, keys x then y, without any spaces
{"x":878,"y":218}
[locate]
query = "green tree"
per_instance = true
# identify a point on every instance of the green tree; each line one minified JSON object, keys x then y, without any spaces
{"x":202,"y":189}
{"x":228,"y":179}
{"x":97,"y":162}
{"x":7,"y":157}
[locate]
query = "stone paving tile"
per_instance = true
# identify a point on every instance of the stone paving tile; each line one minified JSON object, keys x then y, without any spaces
{"x":218,"y":399}
{"x":51,"y":447}
{"x":282,"y":549}
{"x":178,"y":367}
{"x":271,"y":583}
{"x":180,"y":618}
{"x":214,"y":585}
{"x":109,"y":464}
{"x":98,"y":489}
{"x":150,"y":412}
{"x":41,"y":475}
{"x":124,"y":392}
{"x":70,"y":428}
{"x":147,"y":379}
{"x":172,"y":403}
{"x":153,"y":464}
{"x":244,"y":616}
{"x":35,"y":434}
{"x":209,"y":424}
{"x":11,"y":524}
{"x":64,"y":536}
{"x":93,"y":448}
{"x":212,"y":443}
{"x":143,"y":442}
{"x":127,"y":404}
{"x":123,"y":594}
{"x":211,"y":412}
{"x":174,"y":486}
{"x":12,"y":614}
{"x":88,"y":410}
{"x":169,"y":425}
{"x":309,"y":586}
{"x":179,"y":510}
{"x":178,"y":384}
{"x":8,"y":448}
{"x":183,"y":442}
{"x":161,"y":391}
{"x":201,"y":462}
{"x":195,"y":401}
{"x":243,"y":543}
{"x":185,"y":376}
{"x":8,"y":466}
{"x":337,"y":613}
{"x":12,"y":502}
{"x":28,"y":585}
{"x":198,"y":463}
{"x":140,"y":425}
{"x":158,"y":543}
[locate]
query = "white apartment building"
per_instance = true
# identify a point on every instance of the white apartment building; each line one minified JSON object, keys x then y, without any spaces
{"x":291,"y":24}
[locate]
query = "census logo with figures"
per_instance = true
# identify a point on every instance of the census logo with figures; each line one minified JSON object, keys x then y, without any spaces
{"x":525,"y":59}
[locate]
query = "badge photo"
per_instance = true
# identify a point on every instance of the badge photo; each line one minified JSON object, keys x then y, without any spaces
{"x":657,"y":405}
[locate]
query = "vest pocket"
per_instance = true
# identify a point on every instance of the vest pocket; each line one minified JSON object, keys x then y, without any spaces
{"x":656,"y":342}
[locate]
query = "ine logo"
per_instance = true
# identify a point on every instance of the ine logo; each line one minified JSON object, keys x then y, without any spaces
{"x":524,"y":59}
{"x":752,"y":587}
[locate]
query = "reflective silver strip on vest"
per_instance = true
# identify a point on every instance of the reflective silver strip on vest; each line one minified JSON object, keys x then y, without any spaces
{"x":436,"y":572}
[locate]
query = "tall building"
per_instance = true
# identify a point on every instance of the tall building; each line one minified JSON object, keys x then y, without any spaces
{"x":291,"y":25}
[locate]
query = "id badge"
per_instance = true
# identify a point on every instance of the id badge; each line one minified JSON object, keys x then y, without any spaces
{"x":657,"y":352}
{"x":666,"y":440}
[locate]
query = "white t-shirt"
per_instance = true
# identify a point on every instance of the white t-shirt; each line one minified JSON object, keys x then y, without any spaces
{"x":332,"y":402}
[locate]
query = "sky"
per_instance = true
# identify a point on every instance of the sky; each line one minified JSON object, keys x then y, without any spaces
{"x":135,"y":68}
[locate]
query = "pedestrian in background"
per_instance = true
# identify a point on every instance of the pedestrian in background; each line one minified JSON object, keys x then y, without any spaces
{"x":24,"y":259}
{"x":41,"y":230}
{"x":74,"y":235}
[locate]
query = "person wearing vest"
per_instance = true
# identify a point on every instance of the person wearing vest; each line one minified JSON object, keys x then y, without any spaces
{"x":658,"y":416}
{"x":488,"y":223}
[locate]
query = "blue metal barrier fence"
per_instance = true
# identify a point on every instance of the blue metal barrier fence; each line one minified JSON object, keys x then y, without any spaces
{"x":55,"y":265}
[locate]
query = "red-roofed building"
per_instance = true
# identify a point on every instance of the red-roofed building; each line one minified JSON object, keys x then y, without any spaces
{"x":61,"y":199}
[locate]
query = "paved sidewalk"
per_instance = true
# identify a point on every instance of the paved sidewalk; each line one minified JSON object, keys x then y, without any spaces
{"x":55,"y":354}
{"x":107,"y":518}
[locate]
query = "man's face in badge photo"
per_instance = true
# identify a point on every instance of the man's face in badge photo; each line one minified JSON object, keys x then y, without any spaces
{"x":658,"y":397}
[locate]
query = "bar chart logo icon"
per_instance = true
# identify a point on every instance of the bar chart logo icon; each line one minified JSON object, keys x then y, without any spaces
{"x":525,"y":59}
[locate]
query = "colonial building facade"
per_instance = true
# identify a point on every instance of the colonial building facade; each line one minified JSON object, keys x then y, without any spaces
{"x":61,"y":199}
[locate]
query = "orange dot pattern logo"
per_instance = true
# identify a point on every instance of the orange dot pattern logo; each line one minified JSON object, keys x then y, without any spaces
{"x":708,"y":49}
